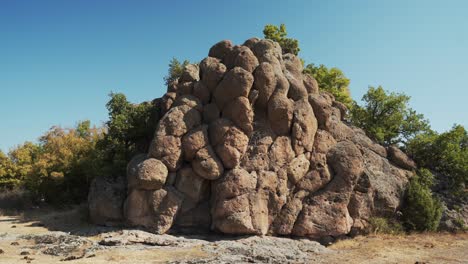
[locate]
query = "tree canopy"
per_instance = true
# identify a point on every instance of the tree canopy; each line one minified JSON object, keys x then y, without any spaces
{"x":445,"y":153}
{"x":331,"y":80}
{"x":175,"y":70}
{"x":129,"y":129}
{"x":387,"y":118}
{"x":279,"y":34}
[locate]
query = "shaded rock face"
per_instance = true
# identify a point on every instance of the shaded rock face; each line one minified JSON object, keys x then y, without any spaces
{"x":248,"y":145}
{"x":105,"y":200}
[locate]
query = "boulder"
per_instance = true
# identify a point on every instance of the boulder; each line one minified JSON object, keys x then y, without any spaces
{"x":265,"y":83}
{"x":293,"y":65}
{"x":194,"y":140}
{"x":211,"y":72}
{"x":240,"y":112}
{"x":304,"y":127}
{"x":298,"y":168}
{"x":237,"y":82}
{"x":246,"y":59}
{"x":137,"y":207}
{"x":105,"y":200}
{"x":280,"y":113}
{"x":168,"y":150}
{"x":166,"y":101}
{"x":165,"y":209}
{"x":324,"y":215}
{"x":201,"y":92}
{"x":132,"y":170}
{"x":220,"y":49}
{"x":250,"y":43}
{"x":347,"y":163}
{"x":178,"y":121}
{"x":188,"y":100}
{"x":185,"y":88}
{"x":259,"y":208}
{"x":194,"y":187}
{"x":284,"y":223}
{"x":267,"y":181}
{"x":314,"y":180}
{"x":297,"y":90}
{"x":281,"y":152}
{"x":190,"y":74}
{"x":267,"y":46}
{"x":234,"y":183}
{"x":151,"y":174}
{"x":232,"y":216}
{"x":322,"y":106}
{"x":229,"y":141}
{"x":256,"y":157}
{"x":207,"y":164}
{"x":342,"y":108}
{"x":310,"y":84}
{"x":400,"y":159}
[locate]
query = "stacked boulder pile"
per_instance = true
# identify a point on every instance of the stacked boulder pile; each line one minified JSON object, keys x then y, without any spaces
{"x":247,"y":144}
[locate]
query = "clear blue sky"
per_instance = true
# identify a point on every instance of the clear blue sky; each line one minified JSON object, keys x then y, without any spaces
{"x":60,"y":59}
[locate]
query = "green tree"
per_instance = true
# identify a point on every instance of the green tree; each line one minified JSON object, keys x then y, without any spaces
{"x":422,"y":211}
{"x":176,"y":68}
{"x":445,"y":153}
{"x":387,"y":118}
{"x":129,"y":131}
{"x":83,"y":128}
{"x":279,"y":34}
{"x":331,"y":80}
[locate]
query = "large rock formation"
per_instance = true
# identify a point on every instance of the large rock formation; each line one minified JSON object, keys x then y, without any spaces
{"x":248,"y":145}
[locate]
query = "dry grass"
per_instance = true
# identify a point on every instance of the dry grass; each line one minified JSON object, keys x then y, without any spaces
{"x":425,"y":247}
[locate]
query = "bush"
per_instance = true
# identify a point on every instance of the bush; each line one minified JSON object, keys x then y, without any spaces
{"x":422,"y":211}
{"x":380,"y":225}
{"x":446,"y":154}
{"x":16,"y":199}
{"x":331,"y":80}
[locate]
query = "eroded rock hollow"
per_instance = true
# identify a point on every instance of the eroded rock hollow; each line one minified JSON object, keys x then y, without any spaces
{"x":246,"y":144}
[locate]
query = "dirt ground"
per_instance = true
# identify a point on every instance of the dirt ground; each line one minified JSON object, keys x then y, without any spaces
{"x":16,"y":247}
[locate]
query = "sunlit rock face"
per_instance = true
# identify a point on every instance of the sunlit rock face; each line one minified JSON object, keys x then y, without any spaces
{"x":248,"y":145}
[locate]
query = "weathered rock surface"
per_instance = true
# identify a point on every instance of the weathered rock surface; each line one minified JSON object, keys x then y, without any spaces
{"x":247,"y":144}
{"x":105,"y":200}
{"x":400,"y":158}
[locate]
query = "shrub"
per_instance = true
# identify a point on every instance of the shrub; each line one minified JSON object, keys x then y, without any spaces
{"x":422,"y":211}
{"x":446,"y":154}
{"x":382,"y":225}
{"x":331,"y":80}
{"x":16,"y":199}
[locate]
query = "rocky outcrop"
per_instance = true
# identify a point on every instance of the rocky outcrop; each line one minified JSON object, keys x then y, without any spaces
{"x":248,"y":145}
